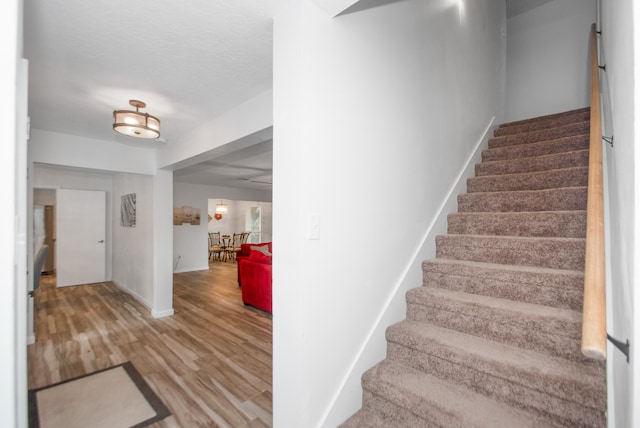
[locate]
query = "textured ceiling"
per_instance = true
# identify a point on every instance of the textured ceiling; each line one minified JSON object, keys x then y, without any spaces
{"x":188,"y":61}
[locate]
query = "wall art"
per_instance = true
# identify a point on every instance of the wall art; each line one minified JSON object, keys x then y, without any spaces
{"x":128,"y":210}
{"x":186,"y":215}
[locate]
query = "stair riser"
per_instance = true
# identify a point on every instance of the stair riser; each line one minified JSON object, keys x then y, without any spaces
{"x":398,"y":416}
{"x":540,"y":135}
{"x":561,"y":412}
{"x":572,"y":177}
{"x":568,"y":199}
{"x":562,"y":145}
{"x":554,"y":254}
{"x":534,"y":164}
{"x":541,"y":123}
{"x":556,"y":290}
{"x":562,"y":224}
{"x":525,"y":333}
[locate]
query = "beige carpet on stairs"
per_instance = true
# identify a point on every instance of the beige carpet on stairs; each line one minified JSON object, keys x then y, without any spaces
{"x":492,"y":338}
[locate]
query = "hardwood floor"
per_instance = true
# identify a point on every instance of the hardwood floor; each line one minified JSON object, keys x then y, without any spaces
{"x":210,"y":363}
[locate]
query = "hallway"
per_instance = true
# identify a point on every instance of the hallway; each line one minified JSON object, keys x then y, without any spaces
{"x":210,"y":363}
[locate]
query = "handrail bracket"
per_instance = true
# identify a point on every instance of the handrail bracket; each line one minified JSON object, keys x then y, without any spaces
{"x":623,"y":347}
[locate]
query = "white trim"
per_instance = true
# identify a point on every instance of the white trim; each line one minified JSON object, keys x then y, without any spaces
{"x":132,"y":294}
{"x":162,"y":314}
{"x":450,"y":200}
{"x":191,"y":269}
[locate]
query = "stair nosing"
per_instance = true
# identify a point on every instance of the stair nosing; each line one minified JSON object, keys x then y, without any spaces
{"x":546,"y":155}
{"x":522,"y":174}
{"x":498,"y":266}
{"x":511,"y":238}
{"x":544,"y":117}
{"x":516,"y":191}
{"x":565,"y":125}
{"x":499,"y":303}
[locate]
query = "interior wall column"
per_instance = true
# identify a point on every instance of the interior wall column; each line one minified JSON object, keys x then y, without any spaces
{"x":162,"y":244}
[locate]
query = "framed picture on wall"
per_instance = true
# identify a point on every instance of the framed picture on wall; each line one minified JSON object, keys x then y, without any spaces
{"x":128,"y":210}
{"x":186,"y":215}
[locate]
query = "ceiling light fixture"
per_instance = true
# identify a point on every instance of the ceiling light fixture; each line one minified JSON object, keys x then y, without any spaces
{"x":135,"y":123}
{"x":221,"y":208}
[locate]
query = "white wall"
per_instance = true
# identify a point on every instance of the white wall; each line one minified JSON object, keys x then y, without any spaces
{"x":372,"y":109}
{"x":190,"y":242}
{"x":133,"y":246}
{"x":10,"y":52}
{"x":70,"y":150}
{"x":621,"y":44}
{"x":547,"y":58}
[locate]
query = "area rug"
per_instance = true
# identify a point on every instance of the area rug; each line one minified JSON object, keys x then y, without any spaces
{"x":114,"y":397}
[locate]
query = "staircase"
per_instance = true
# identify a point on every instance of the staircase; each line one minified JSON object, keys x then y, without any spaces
{"x":492,"y":338}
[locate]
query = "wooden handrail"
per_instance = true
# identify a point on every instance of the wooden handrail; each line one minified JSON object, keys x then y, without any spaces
{"x":594,"y":333}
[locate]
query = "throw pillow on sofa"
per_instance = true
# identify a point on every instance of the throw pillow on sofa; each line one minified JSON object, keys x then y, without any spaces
{"x":264,"y":249}
{"x":260,"y":257}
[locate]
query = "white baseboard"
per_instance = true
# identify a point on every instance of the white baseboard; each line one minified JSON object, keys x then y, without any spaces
{"x":191,"y":269}
{"x":132,"y":293}
{"x":154,"y":313}
{"x":162,"y":314}
{"x":31,"y":340}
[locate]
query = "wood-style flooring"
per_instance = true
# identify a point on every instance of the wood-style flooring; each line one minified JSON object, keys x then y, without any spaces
{"x":210,"y":363}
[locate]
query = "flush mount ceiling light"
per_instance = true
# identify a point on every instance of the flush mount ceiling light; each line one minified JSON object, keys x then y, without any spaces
{"x":135,"y":123}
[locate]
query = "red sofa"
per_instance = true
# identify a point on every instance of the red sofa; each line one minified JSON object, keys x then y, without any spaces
{"x":254,"y":275}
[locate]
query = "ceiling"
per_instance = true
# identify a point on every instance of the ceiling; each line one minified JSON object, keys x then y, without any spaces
{"x":188,"y":61}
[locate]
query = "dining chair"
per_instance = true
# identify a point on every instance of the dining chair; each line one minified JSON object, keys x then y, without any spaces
{"x":234,"y":247}
{"x":215,"y":246}
{"x":225,"y":243}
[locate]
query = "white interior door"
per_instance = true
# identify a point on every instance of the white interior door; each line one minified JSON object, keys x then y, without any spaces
{"x":80,"y":234}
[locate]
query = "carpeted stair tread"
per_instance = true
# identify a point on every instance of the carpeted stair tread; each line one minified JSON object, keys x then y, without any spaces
{"x":534,"y":163}
{"x":565,"y":224}
{"x":524,"y":378}
{"x":549,"y":252}
{"x":560,"y":145}
{"x":546,"y":329}
{"x":535,"y":136}
{"x":567,"y":177}
{"x":417,"y":399}
{"x":551,"y":121}
{"x":562,"y":115}
{"x":562,"y":199}
{"x":551,"y":287}
{"x":363,"y":419}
